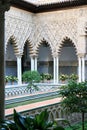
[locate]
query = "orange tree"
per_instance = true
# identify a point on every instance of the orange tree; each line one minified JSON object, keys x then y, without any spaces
{"x":74,"y":97}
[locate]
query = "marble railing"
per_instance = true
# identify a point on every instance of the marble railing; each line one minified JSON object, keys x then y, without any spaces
{"x":15,"y":90}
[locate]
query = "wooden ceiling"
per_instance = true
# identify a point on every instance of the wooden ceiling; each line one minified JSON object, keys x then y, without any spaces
{"x":47,"y":7}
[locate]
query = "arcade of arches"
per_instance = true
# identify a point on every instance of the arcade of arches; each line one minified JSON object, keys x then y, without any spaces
{"x":50,"y":42}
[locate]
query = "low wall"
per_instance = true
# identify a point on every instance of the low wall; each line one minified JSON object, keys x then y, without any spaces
{"x":16,"y":90}
{"x":55,"y":112}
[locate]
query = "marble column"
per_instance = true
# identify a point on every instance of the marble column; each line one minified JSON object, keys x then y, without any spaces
{"x":4,"y":6}
{"x":57,"y":73}
{"x":35,"y":64}
{"x":79,"y":69}
{"x":32,"y":63}
{"x":19,"y":70}
{"x":56,"y":69}
{"x":83,"y":69}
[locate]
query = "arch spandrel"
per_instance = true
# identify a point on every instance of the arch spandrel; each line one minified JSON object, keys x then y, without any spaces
{"x":54,"y":31}
{"x":30,"y":46}
{"x":43,"y":31}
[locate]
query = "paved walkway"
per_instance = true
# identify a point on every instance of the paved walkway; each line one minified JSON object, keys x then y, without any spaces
{"x":32,"y":106}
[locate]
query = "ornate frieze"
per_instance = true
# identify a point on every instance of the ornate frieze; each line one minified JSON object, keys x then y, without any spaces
{"x":51,"y":26}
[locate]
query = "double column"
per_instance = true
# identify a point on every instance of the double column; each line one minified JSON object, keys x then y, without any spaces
{"x":19,"y":67}
{"x":56,"y":69}
{"x":81,"y":67}
{"x":33,"y":63}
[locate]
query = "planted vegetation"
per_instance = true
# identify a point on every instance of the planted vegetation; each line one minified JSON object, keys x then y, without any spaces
{"x":74,"y":98}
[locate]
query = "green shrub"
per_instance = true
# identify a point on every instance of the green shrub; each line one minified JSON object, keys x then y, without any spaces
{"x":31,"y":76}
{"x":74,"y":97}
{"x":38,"y":122}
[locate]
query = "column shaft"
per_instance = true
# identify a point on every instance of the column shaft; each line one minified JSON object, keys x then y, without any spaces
{"x":83,"y":69}
{"x":32,"y":63}
{"x":35,"y":64}
{"x":79,"y":69}
{"x":57,"y":73}
{"x":54,"y":69}
{"x":19,"y":73}
{"x":2,"y":66}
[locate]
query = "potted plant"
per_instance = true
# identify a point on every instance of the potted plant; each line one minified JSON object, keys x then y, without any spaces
{"x":42,"y":77}
{"x":63,"y":77}
{"x":73,"y":77}
{"x":7,"y":79}
{"x":13,"y":79}
{"x":31,"y":77}
{"x":47,"y":76}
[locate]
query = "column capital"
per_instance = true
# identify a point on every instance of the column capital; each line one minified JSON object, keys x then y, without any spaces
{"x":18,"y":56}
{"x":4,"y":5}
{"x":33,"y":55}
{"x":55,"y":55}
{"x":81,"y":55}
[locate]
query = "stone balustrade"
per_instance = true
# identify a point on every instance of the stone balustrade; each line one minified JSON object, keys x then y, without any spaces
{"x":15,"y":90}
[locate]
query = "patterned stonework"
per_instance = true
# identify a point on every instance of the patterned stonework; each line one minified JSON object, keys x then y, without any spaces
{"x":53,"y":27}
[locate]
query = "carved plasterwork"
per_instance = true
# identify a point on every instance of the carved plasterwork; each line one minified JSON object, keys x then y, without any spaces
{"x":20,"y":25}
{"x":51,"y":26}
{"x":55,"y":32}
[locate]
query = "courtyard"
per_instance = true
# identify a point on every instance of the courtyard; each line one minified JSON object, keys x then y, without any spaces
{"x":49,"y":37}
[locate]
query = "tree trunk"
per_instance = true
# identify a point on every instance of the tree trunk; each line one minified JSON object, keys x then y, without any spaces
{"x":82,"y":120}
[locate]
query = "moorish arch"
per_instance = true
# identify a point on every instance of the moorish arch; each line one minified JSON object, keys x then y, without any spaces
{"x":65,"y":41}
{"x":45,"y":61}
{"x":68,"y":60}
{"x":26,"y":55}
{"x":41,"y":42}
{"x":11,"y":60}
{"x":12,"y":40}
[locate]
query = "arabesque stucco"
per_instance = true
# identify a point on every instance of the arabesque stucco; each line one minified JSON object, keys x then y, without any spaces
{"x":54,"y":27}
